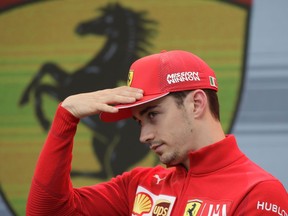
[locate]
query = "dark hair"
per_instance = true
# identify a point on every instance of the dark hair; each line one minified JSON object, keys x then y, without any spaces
{"x":212,"y":100}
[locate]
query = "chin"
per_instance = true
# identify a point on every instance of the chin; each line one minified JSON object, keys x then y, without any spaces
{"x":169,"y":159}
{"x":169,"y":162}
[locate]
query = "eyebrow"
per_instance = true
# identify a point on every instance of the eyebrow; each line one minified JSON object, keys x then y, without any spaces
{"x":145,"y":110}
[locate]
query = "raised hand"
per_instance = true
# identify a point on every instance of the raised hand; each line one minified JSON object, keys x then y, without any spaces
{"x":86,"y":104}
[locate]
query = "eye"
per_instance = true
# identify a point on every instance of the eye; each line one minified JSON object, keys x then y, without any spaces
{"x":151,"y":115}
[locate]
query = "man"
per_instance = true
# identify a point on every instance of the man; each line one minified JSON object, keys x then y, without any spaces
{"x":172,"y":95}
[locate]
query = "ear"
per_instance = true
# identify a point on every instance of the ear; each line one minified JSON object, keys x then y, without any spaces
{"x":197,"y":100}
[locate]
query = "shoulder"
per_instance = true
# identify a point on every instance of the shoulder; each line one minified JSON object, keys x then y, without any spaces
{"x":252,"y":173}
{"x":267,"y":197}
{"x":269,"y":190}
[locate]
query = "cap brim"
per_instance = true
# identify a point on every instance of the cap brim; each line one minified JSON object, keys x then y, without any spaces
{"x":125,"y":109}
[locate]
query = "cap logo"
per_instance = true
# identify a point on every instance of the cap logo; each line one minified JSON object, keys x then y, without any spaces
{"x":213,"y":81}
{"x":130,"y":77}
{"x":182,"y":77}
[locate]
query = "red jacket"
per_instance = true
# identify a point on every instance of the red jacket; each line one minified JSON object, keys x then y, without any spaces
{"x":221,"y":181}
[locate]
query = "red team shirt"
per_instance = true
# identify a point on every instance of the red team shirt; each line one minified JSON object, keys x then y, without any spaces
{"x":221,"y":181}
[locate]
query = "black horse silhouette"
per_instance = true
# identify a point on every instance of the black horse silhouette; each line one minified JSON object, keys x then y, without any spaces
{"x":127,"y":35}
{"x":190,"y":210}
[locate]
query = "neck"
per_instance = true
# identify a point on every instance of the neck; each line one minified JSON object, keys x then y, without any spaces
{"x":207,"y":133}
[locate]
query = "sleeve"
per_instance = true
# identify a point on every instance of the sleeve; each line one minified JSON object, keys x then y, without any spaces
{"x":51,"y":191}
{"x":266,"y":198}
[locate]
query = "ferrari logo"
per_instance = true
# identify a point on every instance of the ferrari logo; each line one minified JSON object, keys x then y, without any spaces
{"x":192,"y":207}
{"x":130,"y":78}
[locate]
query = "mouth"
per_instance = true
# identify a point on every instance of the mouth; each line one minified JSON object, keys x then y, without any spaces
{"x":156,"y":147}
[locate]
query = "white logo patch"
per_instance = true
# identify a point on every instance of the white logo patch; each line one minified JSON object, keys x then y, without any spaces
{"x":147,"y":203}
{"x":271,"y":207}
{"x":182,"y":77}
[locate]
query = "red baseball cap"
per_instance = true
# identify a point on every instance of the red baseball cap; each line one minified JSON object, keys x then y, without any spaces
{"x":159,"y":74}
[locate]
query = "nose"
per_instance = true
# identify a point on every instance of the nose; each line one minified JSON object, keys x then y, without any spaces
{"x":147,"y":134}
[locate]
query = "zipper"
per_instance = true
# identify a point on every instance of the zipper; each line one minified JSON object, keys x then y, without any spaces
{"x":181,"y":198}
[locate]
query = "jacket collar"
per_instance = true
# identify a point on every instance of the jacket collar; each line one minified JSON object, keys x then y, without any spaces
{"x":215,"y":156}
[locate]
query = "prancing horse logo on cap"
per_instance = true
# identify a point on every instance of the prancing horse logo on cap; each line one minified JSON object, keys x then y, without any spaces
{"x":130,"y":77}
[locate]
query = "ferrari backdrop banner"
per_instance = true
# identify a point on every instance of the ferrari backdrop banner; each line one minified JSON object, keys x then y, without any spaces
{"x":52,"y":49}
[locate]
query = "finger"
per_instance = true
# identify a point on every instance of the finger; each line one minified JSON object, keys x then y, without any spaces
{"x":117,"y":99}
{"x":129,"y":91}
{"x":128,"y":88}
{"x":106,"y":108}
{"x":120,"y":95}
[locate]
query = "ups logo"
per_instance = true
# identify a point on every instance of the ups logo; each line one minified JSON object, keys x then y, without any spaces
{"x":161,"y":208}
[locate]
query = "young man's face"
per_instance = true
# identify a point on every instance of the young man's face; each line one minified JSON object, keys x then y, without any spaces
{"x":167,"y":128}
